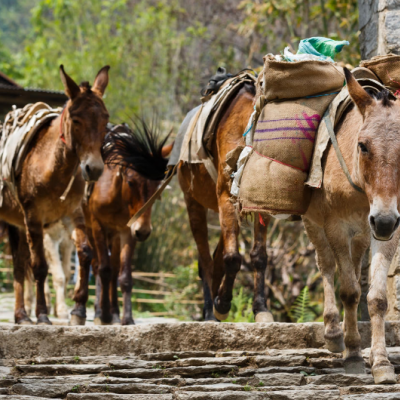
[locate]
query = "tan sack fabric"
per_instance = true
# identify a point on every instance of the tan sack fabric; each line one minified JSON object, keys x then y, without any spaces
{"x":386,"y":68}
{"x":291,"y":80}
{"x":271,"y":187}
{"x":273,"y":178}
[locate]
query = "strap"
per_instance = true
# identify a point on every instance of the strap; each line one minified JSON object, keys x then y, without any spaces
{"x":66,"y":191}
{"x":155,"y":196}
{"x":338,"y":152}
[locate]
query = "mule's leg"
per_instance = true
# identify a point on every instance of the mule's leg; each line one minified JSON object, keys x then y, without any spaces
{"x":52,"y":246}
{"x":232,"y":260}
{"x":258,"y":257}
{"x":85,"y":255}
{"x":218,"y":267}
{"x":29,"y":294}
{"x":326,"y":264}
{"x":127,"y":247}
{"x":105,"y":272}
{"x":66,"y":249}
{"x":97,"y":308}
{"x":382,"y":255}
{"x":115,"y":250}
{"x":21,"y":263}
{"x":198,"y":224}
{"x":34,"y":235}
{"x":350,"y":290}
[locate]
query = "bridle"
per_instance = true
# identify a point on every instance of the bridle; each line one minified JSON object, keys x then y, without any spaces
{"x":62,"y":137}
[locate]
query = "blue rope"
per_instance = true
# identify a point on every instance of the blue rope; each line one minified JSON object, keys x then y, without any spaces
{"x":248,"y":130}
{"x":320,"y":95}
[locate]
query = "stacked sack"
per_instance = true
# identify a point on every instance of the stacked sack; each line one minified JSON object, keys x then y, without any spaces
{"x":292,"y":101}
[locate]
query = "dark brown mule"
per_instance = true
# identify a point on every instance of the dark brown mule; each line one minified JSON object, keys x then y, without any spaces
{"x":120,"y":192}
{"x":73,"y":139}
{"x":201,"y":193}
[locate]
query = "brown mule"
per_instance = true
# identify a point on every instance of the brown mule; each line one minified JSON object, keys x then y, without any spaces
{"x":72,"y":140}
{"x":120,"y":192}
{"x":342,"y":222}
{"x":201,"y":193}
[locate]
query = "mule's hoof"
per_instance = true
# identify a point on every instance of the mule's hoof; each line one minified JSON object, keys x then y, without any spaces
{"x":219,"y":316}
{"x":264,"y":316}
{"x":384,"y":374}
{"x":128,"y":321}
{"x":115,"y":320}
{"x":354,"y":365}
{"x":97,"y":321}
{"x":335,"y":345}
{"x":25,"y":321}
{"x":77,"y":320}
{"x":43,"y":319}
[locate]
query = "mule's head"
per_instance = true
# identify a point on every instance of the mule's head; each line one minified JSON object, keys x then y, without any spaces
{"x":142,"y":155}
{"x":379,"y":157}
{"x":84,"y":121}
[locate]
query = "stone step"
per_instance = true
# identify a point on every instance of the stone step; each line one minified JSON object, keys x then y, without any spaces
{"x":61,"y":369}
{"x":111,"y":396}
{"x":74,"y":360}
{"x":202,"y":370}
{"x":350,"y":390}
{"x":278,"y":395}
{"x":170,"y":356}
{"x":19,"y":397}
{"x":341,"y":380}
{"x":83,"y":341}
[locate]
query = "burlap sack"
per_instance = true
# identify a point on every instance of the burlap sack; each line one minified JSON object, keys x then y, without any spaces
{"x":286,"y":131}
{"x":291,"y":80}
{"x":387,"y":68}
{"x":274,"y":176}
{"x":271,"y":187}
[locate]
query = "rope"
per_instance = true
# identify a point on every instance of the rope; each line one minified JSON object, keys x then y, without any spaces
{"x":338,"y":152}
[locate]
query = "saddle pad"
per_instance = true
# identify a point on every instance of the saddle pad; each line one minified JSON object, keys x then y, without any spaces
{"x":18,"y":130}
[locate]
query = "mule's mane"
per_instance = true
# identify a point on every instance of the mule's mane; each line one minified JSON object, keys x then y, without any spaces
{"x":86,"y":86}
{"x":138,"y":148}
{"x":384,"y":97}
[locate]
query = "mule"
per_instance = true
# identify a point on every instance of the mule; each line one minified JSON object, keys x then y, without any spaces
{"x":342,"y":222}
{"x":69,"y":145}
{"x":201,"y":194}
{"x":120,"y":192}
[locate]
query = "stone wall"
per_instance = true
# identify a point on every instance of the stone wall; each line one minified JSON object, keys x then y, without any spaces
{"x":379,"y":22}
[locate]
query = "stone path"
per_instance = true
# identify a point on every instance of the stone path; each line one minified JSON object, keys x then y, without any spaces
{"x":301,"y":373}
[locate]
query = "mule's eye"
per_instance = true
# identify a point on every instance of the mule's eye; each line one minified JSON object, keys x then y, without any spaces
{"x":363,"y":148}
{"x":76,"y":121}
{"x":131,"y":184}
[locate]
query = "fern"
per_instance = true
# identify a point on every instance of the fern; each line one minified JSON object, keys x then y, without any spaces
{"x":301,"y":310}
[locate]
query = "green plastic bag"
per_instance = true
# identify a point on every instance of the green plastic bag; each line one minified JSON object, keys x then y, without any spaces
{"x":320,"y":46}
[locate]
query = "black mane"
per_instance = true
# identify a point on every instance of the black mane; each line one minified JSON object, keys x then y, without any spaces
{"x":138,"y":148}
{"x":384,"y":97}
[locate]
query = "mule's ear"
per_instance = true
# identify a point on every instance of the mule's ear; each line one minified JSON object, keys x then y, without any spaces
{"x":360,"y":97}
{"x":101,"y":81}
{"x":71,"y":88}
{"x":166,"y":150}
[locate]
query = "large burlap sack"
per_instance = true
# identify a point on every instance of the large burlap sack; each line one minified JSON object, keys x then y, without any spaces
{"x":291,"y":80}
{"x":286,"y":131}
{"x":386,"y":68}
{"x":283,"y":144}
{"x":271,"y":187}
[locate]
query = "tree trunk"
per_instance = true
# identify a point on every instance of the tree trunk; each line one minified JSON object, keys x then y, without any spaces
{"x":379,"y":22}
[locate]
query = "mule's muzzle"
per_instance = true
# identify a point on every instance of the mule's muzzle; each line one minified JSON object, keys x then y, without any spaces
{"x":92,"y":170}
{"x":384,"y":226}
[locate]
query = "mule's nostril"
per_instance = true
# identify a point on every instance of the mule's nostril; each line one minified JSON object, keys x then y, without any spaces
{"x":372,"y":221}
{"x":87,"y":168}
{"x":397,"y":224}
